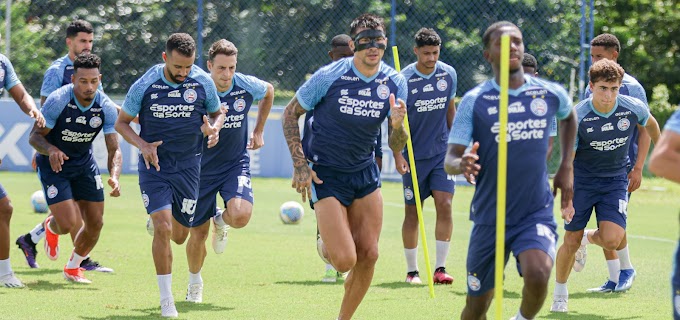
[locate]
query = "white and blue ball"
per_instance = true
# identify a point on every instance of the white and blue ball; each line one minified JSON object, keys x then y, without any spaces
{"x":291,"y":212}
{"x":38,"y":202}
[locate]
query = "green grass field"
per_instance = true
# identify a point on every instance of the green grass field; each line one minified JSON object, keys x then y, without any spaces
{"x":272,"y":271}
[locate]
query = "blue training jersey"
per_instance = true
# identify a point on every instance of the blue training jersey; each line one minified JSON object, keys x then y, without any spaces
{"x":630,"y":87}
{"x":172,"y":113}
{"x":673,"y":123}
{"x":530,"y":110}
{"x":428,"y":103}
{"x":234,"y":133}
{"x":58,"y":75}
{"x":73,"y":126}
{"x":348,"y":111}
{"x":602,"y":142}
{"x":8,"y":78}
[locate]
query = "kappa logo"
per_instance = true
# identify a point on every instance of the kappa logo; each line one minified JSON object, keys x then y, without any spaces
{"x":623,"y":124}
{"x":428,"y":88}
{"x":492,"y":110}
{"x":383,"y":91}
{"x":174,"y":94}
{"x":190,"y":95}
{"x":365,"y":92}
{"x":414,"y":91}
{"x":607,"y":127}
{"x":154,"y":96}
{"x":442,"y":85}
{"x":68,"y":120}
{"x":344,"y":92}
{"x":590,"y":130}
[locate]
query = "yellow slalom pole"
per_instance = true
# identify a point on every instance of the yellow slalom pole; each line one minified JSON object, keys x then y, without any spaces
{"x":416,"y":189}
{"x":502,"y":174}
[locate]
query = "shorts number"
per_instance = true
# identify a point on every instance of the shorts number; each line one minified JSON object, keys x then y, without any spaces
{"x":623,"y":207}
{"x":188,"y":206}
{"x":98,"y":182}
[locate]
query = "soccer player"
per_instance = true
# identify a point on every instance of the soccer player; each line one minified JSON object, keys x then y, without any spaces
{"x":74,"y":115}
{"x":79,"y":39}
{"x":530,"y":66}
{"x":225,"y":169}
{"x":339,"y":49}
{"x":431,"y":108}
{"x":173,"y":101}
{"x":665,"y":162}
{"x":530,"y":224}
{"x":10,"y":82}
{"x":336,"y":168}
{"x":621,"y":271}
{"x":605,"y":131}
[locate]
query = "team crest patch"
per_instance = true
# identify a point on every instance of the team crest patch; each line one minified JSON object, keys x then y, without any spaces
{"x":623,"y":124}
{"x":539,"y":107}
{"x":239,"y":105}
{"x":190,"y":95}
{"x":95,"y":122}
{"x":145,"y":199}
{"x":383,"y":91}
{"x":473,"y":283}
{"x":442,"y":85}
{"x":408,"y":194}
{"x":52,"y":192}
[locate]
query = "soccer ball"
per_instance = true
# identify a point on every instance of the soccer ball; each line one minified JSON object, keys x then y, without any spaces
{"x":291,"y":212}
{"x":38,"y":202}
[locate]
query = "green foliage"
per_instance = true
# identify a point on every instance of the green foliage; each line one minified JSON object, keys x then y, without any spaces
{"x":660,"y":106}
{"x":28,"y":53}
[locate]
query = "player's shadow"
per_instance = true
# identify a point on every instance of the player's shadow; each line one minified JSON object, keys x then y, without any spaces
{"x":506,"y":294}
{"x":399,"y":285}
{"x":590,"y":295}
{"x":309,"y":283}
{"x":184,"y":307}
{"x":582,"y":316}
{"x":38,"y":272}
{"x":42,"y":285}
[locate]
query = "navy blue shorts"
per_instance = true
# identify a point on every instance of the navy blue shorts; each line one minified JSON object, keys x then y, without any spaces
{"x":518,"y":238}
{"x":431,"y":177}
{"x":234,"y":184}
{"x":177,"y":191}
{"x":345,"y":186}
{"x":77,"y":183}
{"x":608,"y":196}
{"x":3,"y":192}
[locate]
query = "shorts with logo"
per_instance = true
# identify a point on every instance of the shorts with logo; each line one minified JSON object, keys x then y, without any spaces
{"x":431,"y":177}
{"x":176,"y":190}
{"x":233,"y":184}
{"x":77,"y":183}
{"x":609,"y":197}
{"x":541,"y":235}
{"x":3,"y":192}
{"x":345,"y":186}
{"x":675,"y":284}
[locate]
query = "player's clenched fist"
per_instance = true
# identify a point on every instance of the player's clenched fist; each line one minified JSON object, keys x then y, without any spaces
{"x":398,"y":111}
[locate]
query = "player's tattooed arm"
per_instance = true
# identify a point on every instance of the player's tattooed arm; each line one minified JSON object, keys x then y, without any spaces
{"x":302,"y":173}
{"x":396,"y":131}
{"x":115,"y":162}
{"x":39,"y":142}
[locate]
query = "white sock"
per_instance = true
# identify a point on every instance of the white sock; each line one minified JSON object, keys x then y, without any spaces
{"x":75,"y":261}
{"x":442,"y":253}
{"x":5,"y":267}
{"x":165,"y":285}
{"x":614,"y":267}
{"x":195,"y":278}
{"x":519,"y":316}
{"x":329,"y":267}
{"x":624,"y":257}
{"x":411,"y":259}
{"x":560,"y":290}
{"x":219,"y":220}
{"x":584,"y":240}
{"x":37,"y":233}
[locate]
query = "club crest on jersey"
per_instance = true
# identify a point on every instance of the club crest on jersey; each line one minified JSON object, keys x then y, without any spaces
{"x":239,"y":105}
{"x":145,"y":199}
{"x":473,"y":283}
{"x":539,"y":107}
{"x":623,"y":124}
{"x":190,"y":95}
{"x":408,"y":193}
{"x":95,"y":122}
{"x":52,"y":192}
{"x":383,"y":91}
{"x":442,"y":85}
{"x":2,"y":74}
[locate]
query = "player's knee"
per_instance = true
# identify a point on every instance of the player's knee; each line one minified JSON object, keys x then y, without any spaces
{"x":368,"y":255}
{"x":572,"y":241}
{"x":240,"y":218}
{"x":611,"y":243}
{"x":162,"y":229}
{"x":536,"y":277}
{"x":343,"y":262}
{"x":6,"y":210}
{"x":475,"y":307}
